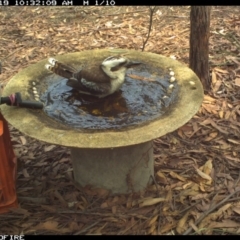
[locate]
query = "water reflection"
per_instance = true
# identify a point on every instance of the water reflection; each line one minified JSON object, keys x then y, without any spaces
{"x":143,"y":97}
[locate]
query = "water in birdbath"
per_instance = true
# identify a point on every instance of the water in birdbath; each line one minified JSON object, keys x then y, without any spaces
{"x":146,"y":95}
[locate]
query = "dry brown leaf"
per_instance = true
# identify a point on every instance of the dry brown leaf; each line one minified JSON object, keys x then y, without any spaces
{"x":236,"y":210}
{"x":202,"y":187}
{"x":82,"y":197}
{"x":232,"y":158}
{"x":25,"y":173}
{"x":161,"y":177}
{"x":225,"y":175}
{"x":237,"y":81}
{"x":111,"y":219}
{"x":50,"y":225}
{"x":152,"y":229}
{"x":213,"y":109}
{"x":153,"y":220}
{"x":221,"y":70}
{"x":49,"y":148}
{"x":175,"y":175}
{"x":214,"y":78}
{"x":187,"y":128}
{"x":203,"y":175}
{"x":211,"y":136}
{"x":104,"y":205}
{"x":49,"y":208}
{"x":114,"y":209}
{"x":74,"y":226}
{"x":60,"y":198}
{"x":108,"y":24}
{"x":187,"y":185}
{"x":224,"y":224}
{"x":101,"y":192}
{"x":229,"y":105}
{"x":210,"y":121}
{"x":222,"y":210}
{"x":167,"y":227}
{"x":23,"y":140}
{"x":62,"y":160}
{"x":129,"y":202}
{"x":207,"y":168}
{"x":208,"y":99}
{"x":168,"y":200}
{"x":227,"y":115}
{"x":169,"y":196}
{"x":233,"y":141}
{"x":20,"y":210}
{"x":221,"y":114}
{"x":40,"y":164}
{"x":199,"y":196}
{"x":213,"y":216}
{"x":181,"y":226}
{"x":39,"y":36}
{"x":98,"y":231}
{"x":151,"y":201}
{"x":140,"y":78}
{"x":194,"y":227}
{"x":62,"y":40}
{"x":180,"y":133}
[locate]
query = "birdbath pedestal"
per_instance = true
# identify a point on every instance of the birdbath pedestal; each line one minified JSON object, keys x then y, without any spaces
{"x":119,"y":159}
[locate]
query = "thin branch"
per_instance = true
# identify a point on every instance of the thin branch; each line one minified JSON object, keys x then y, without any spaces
{"x":151,"y":9}
{"x":86,"y":228}
{"x":210,"y":210}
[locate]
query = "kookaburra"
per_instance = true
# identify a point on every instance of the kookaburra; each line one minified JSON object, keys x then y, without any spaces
{"x":100,"y":80}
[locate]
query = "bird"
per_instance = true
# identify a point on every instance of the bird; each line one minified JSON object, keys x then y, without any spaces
{"x":99,"y":79}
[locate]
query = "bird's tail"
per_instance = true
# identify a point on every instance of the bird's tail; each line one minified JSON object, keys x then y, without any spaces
{"x":60,"y":68}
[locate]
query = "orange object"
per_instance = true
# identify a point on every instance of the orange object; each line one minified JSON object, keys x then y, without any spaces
{"x":8,"y":168}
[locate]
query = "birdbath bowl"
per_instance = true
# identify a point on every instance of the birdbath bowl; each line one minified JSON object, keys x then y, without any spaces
{"x":111,"y":139}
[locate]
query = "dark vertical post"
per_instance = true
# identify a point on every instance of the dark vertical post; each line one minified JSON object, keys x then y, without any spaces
{"x":199,"y":40}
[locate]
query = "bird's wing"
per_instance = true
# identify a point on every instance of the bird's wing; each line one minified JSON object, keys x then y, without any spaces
{"x":98,"y":87}
{"x":65,"y":67}
{"x":93,"y":74}
{"x":60,"y":69}
{"x":86,"y":86}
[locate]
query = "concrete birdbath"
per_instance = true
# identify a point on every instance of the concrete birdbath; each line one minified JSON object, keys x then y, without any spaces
{"x":111,"y":139}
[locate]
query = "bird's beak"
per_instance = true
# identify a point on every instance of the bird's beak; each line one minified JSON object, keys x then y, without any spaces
{"x":130,"y":64}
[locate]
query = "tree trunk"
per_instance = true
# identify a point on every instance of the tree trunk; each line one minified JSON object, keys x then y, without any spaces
{"x":199,"y":38}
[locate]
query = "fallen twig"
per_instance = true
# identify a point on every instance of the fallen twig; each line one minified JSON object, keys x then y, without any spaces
{"x":86,"y":228}
{"x":210,"y":210}
{"x":150,"y":26}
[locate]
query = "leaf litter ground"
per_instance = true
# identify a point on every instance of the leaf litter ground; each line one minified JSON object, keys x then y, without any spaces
{"x":197,"y":167}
